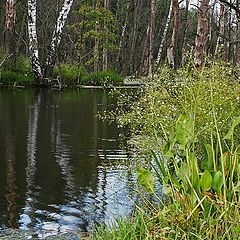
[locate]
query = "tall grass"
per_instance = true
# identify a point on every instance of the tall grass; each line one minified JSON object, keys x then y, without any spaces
{"x":186,"y":124}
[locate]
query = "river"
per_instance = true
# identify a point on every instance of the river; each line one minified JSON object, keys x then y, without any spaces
{"x":61,"y":167}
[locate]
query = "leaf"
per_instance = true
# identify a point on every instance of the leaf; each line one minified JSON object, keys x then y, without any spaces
{"x":146,"y":179}
{"x":166,"y":189}
{"x":183,"y":173}
{"x":218,"y":182}
{"x":236,"y":121}
{"x":206,"y":180}
{"x":207,"y":163}
{"x":184,"y":130}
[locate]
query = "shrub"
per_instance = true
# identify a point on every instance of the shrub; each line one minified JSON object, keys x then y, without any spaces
{"x":70,"y":74}
{"x":152,"y":117}
{"x":23,"y":65}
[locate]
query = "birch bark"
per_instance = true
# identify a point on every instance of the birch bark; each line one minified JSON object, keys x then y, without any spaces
{"x":56,"y":38}
{"x":33,"y":43}
{"x":159,"y":56}
{"x":202,"y":30}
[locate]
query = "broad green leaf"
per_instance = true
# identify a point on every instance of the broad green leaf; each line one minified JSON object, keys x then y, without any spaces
{"x":236,"y":121}
{"x":184,"y":130}
{"x":146,"y":179}
{"x":168,"y":147}
{"x":207,"y":163}
{"x":166,"y":189}
{"x":218,"y":182}
{"x":206,"y":180}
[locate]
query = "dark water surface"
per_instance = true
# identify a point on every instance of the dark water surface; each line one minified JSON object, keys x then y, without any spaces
{"x":61,"y":168}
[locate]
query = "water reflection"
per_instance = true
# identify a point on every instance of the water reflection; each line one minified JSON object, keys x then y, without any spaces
{"x":64,"y":169}
{"x":11,"y":195}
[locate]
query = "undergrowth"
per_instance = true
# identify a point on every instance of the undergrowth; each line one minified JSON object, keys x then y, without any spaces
{"x":185,"y":128}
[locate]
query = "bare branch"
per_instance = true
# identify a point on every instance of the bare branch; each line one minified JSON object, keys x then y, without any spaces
{"x":6,"y":57}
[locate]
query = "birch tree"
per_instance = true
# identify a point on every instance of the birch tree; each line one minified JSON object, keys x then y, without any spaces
{"x":39,"y":73}
{"x":33,"y":42}
{"x":56,"y":38}
{"x":163,"y":40}
{"x":202,"y":31}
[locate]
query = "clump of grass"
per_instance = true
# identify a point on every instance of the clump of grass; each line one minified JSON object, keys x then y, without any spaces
{"x":11,"y":78}
{"x":104,"y":78}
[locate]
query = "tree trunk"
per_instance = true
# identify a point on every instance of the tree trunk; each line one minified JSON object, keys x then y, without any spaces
{"x":185,"y":27}
{"x":202,"y":31}
{"x":170,"y":50}
{"x":56,"y":38}
{"x":220,"y":39}
{"x":123,"y":32}
{"x":96,"y":43}
{"x":151,"y":34}
{"x":9,"y":31}
{"x":237,"y":54}
{"x":133,"y":38}
{"x":105,"y":52}
{"x":33,"y":43}
{"x":149,"y":43}
{"x":160,"y":50}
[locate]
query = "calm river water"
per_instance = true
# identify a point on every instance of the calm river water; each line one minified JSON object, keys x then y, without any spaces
{"x":61,"y":168}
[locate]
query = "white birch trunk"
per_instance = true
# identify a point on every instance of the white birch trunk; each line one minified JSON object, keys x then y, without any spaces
{"x":33,"y":43}
{"x":56,"y":37}
{"x":159,"y":56}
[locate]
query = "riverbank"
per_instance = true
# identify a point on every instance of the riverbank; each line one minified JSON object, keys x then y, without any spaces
{"x":186,"y":126}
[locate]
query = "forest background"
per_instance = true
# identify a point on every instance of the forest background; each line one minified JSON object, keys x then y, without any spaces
{"x":130,"y":37}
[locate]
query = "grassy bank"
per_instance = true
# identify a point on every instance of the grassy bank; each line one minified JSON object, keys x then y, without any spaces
{"x":70,"y":75}
{"x":186,"y":127}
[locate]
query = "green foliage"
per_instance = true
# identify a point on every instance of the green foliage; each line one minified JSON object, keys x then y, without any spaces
{"x":71,"y":75}
{"x":188,"y":124}
{"x":185,"y":91}
{"x":146,"y":179}
{"x":11,"y":78}
{"x":23,"y":65}
{"x":104,"y":78}
{"x":96,"y":33}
